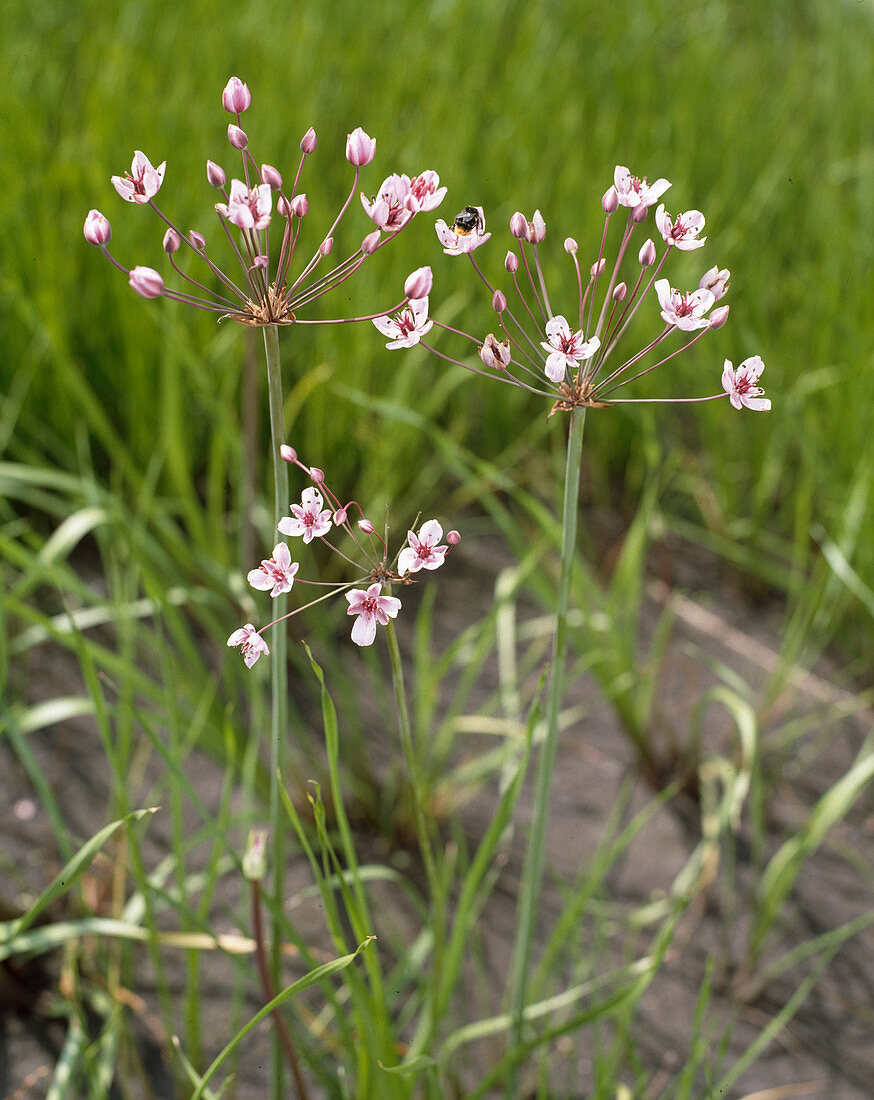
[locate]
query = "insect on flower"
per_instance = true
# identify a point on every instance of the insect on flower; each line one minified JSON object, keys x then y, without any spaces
{"x":469,"y":220}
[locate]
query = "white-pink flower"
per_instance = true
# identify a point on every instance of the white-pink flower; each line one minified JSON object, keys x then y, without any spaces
{"x":685,"y":311}
{"x":683,"y":231}
{"x":565,"y":348}
{"x":247,"y":209}
{"x":408,"y":327}
{"x":251,"y":644}
{"x":309,"y":518}
{"x":389,"y":210}
{"x":276,"y":573}
{"x":371,"y":608}
{"x":742,"y":386}
{"x":423,"y":551}
{"x":635,"y":191}
{"x":143,"y":181}
{"x":466,"y":233}
{"x":425,"y":192}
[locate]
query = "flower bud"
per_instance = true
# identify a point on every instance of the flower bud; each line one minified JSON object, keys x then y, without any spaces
{"x":172,"y":241}
{"x":326,"y":246}
{"x":570,"y":246}
{"x":317,"y":475}
{"x":300,"y":206}
{"x":287,"y":454}
{"x":255,"y":857}
{"x":597,"y":269}
{"x":360,"y":149}
{"x":610,"y":201}
{"x":370,"y":243}
{"x":147,"y":282}
{"x":270,"y":175}
{"x":419,"y":283}
{"x":499,"y":302}
{"x":97,"y":229}
{"x":309,"y":141}
{"x":536,"y":229}
{"x":215,"y":174}
{"x":647,"y":254}
{"x":639,"y":213}
{"x":340,"y":516}
{"x":197,"y":240}
{"x":261,"y":262}
{"x":237,"y":137}
{"x":716,"y":282}
{"x":283,"y":207}
{"x":367,"y":527}
{"x":719,"y":316}
{"x":511,"y":262}
{"x":518,"y":225}
{"x":453,"y":538}
{"x":619,"y":292}
{"x":236,"y":96}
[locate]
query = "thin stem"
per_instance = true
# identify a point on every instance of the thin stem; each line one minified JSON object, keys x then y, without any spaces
{"x":279,"y":681}
{"x":532,"y":876}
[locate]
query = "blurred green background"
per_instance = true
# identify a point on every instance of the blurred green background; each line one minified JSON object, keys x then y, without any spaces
{"x":759,"y":114}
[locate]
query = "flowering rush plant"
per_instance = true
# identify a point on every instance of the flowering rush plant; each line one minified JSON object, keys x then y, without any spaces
{"x":267,"y":291}
{"x":369,"y":606}
{"x":541,"y":350}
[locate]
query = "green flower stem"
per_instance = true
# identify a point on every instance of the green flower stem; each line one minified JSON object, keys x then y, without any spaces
{"x":279,"y":686}
{"x":532,"y":875}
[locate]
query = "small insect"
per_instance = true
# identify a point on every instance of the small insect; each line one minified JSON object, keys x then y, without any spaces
{"x":470,"y":220}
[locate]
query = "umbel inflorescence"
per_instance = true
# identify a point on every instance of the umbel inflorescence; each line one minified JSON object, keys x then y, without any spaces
{"x":271,"y":288}
{"x":537,"y":347}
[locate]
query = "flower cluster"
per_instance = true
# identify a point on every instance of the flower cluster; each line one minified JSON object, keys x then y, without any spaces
{"x":268,"y":292}
{"x":312,"y":520}
{"x":572,"y":355}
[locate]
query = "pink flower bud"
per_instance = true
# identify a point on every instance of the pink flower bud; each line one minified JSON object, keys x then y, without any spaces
{"x":147,"y":282}
{"x":309,"y":141}
{"x":97,"y":229}
{"x":237,"y":137}
{"x":719,"y":316}
{"x":288,"y":454}
{"x":172,"y":241}
{"x":647,"y":254}
{"x":518,"y":225}
{"x":453,"y":538}
{"x":255,"y":856}
{"x":236,"y":96}
{"x":639,"y":213}
{"x":570,"y":246}
{"x":619,"y":292}
{"x":317,"y":475}
{"x":370,"y":243}
{"x":260,"y":262}
{"x":326,"y":246}
{"x":536,"y":230}
{"x":367,"y":527}
{"x":300,"y":206}
{"x":511,"y":262}
{"x":340,"y":516}
{"x":716,"y":282}
{"x":610,"y":201}
{"x":499,"y":302}
{"x":270,"y":175}
{"x":215,"y":174}
{"x":598,"y":269}
{"x":197,"y":240}
{"x":419,"y":283}
{"x":283,"y":207}
{"x":360,"y":149}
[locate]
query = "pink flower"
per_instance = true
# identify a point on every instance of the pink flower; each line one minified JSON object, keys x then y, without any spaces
{"x":495,"y":353}
{"x":633,"y":191}
{"x":146,"y":281}
{"x":466,"y":233}
{"x":236,"y":96}
{"x":408,"y":327}
{"x":277,"y":573}
{"x":686,"y":311}
{"x":143,"y":181}
{"x":97,"y":229}
{"x":742,"y":387}
{"x":716,"y":281}
{"x":684,"y":231}
{"x":251,"y":644}
{"x":425,"y":192}
{"x":360,"y":149}
{"x":371,"y":608}
{"x":247,"y":209}
{"x":423,"y":551}
{"x":565,"y":348}
{"x":310,"y":519}
{"x":389,"y":210}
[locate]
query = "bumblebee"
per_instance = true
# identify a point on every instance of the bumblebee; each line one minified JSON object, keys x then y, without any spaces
{"x":468,"y":221}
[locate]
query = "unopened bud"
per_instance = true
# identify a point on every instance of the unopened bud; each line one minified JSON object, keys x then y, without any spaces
{"x":270,"y":175}
{"x":639,"y":213}
{"x":340,"y":516}
{"x":172,"y":242}
{"x":518,"y":225}
{"x":287,"y":454}
{"x":326,"y":246}
{"x":570,"y":245}
{"x":317,"y":475}
{"x":619,"y":292}
{"x":300,"y":206}
{"x":597,"y":269}
{"x":260,"y":262}
{"x":499,"y":302}
{"x":647,"y":254}
{"x":147,"y":282}
{"x":283,"y":207}
{"x":511,"y":262}
{"x":309,"y":141}
{"x":453,"y":538}
{"x":370,"y":243}
{"x":419,"y":283}
{"x":236,"y":96}
{"x":215,"y":174}
{"x":237,"y":137}
{"x":716,"y":282}
{"x":367,"y":527}
{"x":719,"y":316}
{"x":197,"y":240}
{"x":610,"y":201}
{"x":255,"y":856}
{"x":97,"y":229}
{"x":536,"y":229}
{"x":360,"y":149}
